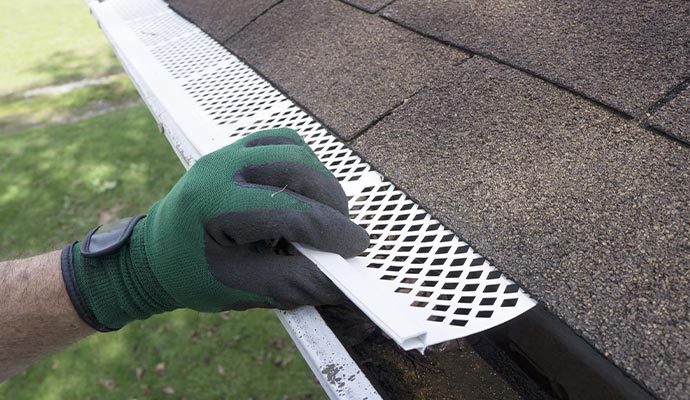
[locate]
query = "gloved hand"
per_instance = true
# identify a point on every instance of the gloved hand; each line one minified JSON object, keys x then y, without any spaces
{"x":216,"y":241}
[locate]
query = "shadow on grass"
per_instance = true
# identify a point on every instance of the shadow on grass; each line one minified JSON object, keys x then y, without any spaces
{"x":56,"y":180}
{"x":18,"y":112}
{"x":68,"y":66}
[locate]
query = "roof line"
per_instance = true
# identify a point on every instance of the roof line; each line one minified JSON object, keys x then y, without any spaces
{"x":670,"y":95}
{"x":395,"y":107}
{"x":666,"y":98}
{"x":491,"y":57}
{"x":229,"y":38}
{"x":388,"y":3}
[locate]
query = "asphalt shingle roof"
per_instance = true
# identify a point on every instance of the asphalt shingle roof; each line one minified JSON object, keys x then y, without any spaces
{"x":347,"y":67}
{"x":623,"y":53}
{"x":500,"y":132}
{"x":674,"y":117}
{"x":221,"y":18}
{"x":564,"y":196}
{"x":369,"y":5}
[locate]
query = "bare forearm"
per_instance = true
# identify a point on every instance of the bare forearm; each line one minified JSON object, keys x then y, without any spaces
{"x":36,"y":315}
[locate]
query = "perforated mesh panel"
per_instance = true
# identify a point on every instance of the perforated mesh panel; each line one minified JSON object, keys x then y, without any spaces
{"x":426,"y":262}
{"x":426,"y":266}
{"x":190,"y":55}
{"x":132,"y":10}
{"x":232,"y":93}
{"x":335,"y":155}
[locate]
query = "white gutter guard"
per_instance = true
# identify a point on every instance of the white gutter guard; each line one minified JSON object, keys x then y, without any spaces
{"x":417,"y":281}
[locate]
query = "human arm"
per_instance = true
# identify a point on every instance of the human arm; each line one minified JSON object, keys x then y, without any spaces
{"x":36,"y":315}
{"x":217,"y":241}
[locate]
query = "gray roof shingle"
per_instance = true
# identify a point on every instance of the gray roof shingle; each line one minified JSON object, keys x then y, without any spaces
{"x":586,"y":210}
{"x":369,"y":5}
{"x":674,"y":117}
{"x":221,"y":19}
{"x":347,"y":67}
{"x":623,"y":53}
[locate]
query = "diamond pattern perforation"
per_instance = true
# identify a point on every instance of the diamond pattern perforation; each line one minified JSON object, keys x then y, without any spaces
{"x":340,"y":160}
{"x":231,"y":93}
{"x":160,"y":28}
{"x":140,"y":9}
{"x":190,"y":55}
{"x":427,"y":263}
{"x":423,"y":263}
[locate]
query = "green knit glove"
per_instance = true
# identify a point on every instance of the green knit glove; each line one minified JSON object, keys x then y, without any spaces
{"x":218,"y":240}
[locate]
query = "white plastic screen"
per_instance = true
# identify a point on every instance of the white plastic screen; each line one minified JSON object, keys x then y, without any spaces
{"x":430,"y":286}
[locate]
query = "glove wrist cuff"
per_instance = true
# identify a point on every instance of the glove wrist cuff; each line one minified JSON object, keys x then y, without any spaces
{"x":110,"y":290}
{"x":75,"y":295}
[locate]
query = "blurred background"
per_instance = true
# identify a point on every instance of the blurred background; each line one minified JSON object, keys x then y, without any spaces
{"x":78,"y":148}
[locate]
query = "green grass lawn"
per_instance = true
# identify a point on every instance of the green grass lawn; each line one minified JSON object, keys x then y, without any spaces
{"x":181,"y":355}
{"x":60,"y":178}
{"x":47,"y":42}
{"x":19,"y":112}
